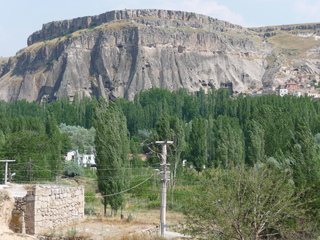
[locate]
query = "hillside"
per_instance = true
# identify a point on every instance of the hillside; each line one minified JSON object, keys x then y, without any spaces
{"x":120,"y":53}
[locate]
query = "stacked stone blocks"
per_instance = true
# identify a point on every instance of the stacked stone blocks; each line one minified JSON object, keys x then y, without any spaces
{"x":47,"y":207}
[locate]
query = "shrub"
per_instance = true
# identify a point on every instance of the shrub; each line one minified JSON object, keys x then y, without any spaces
{"x":154,"y":205}
{"x":130,"y":217}
{"x":72,"y":169}
{"x":89,"y":197}
{"x":89,"y":210}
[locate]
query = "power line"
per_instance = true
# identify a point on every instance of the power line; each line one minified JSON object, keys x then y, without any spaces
{"x":113,"y":194}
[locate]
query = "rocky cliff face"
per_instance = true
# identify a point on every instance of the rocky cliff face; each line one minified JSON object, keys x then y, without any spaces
{"x":119,"y":53}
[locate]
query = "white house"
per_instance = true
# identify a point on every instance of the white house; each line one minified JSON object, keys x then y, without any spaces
{"x":283,"y":91}
{"x":83,"y":159}
{"x":297,"y":94}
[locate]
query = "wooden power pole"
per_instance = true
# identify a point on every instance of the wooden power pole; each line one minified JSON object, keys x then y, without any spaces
{"x":6,"y":170}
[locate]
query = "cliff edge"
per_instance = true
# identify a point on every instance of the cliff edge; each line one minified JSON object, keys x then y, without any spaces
{"x":119,"y":53}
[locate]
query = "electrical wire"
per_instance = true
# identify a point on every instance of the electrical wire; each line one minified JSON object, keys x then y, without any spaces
{"x":118,"y":193}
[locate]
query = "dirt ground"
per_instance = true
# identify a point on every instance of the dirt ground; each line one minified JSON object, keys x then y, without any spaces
{"x":144,"y":225}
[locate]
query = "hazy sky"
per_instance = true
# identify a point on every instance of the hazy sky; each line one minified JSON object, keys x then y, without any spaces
{"x":20,"y":18}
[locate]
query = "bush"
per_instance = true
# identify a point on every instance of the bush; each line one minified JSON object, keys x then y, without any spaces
{"x":154,"y":205}
{"x":89,"y":210}
{"x":72,"y":169}
{"x":89,"y":197}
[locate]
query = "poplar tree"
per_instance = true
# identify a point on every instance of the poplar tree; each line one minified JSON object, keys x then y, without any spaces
{"x":112,"y":146}
{"x":307,"y":167}
{"x":255,"y":142}
{"x":230,"y":142}
{"x":197,"y":144}
{"x":171,"y":128}
{"x":53,"y":132}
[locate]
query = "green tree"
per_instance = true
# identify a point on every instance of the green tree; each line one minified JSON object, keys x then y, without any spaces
{"x":307,"y":167}
{"x":197,"y":144}
{"x":80,"y":137}
{"x":171,"y":128}
{"x":112,"y":146}
{"x":55,"y":154}
{"x":230,"y":142}
{"x":31,"y":152}
{"x":254,"y":142}
{"x":246,"y":204}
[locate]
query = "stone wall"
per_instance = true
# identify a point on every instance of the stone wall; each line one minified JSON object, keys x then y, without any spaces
{"x":47,"y":207}
{"x":17,"y":223}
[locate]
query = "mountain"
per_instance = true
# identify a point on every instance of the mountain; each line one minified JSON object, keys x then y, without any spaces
{"x":119,"y":53}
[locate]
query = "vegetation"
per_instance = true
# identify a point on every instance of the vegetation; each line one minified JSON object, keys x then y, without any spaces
{"x":112,"y":144}
{"x":247,"y":203}
{"x":247,"y":148}
{"x":72,"y":169}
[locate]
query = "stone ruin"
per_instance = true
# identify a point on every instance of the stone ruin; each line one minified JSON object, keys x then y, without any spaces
{"x":42,"y":209}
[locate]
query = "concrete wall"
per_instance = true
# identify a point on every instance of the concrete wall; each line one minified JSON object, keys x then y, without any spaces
{"x":47,"y":207}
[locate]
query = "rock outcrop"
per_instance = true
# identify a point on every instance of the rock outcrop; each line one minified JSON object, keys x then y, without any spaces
{"x":119,"y":53}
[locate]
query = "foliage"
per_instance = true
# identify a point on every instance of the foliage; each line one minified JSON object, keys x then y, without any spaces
{"x":89,"y":197}
{"x":230,"y":142}
{"x":112,"y":144}
{"x":72,"y":169}
{"x":89,"y":210}
{"x":246,"y":203}
{"x":80,"y":137}
{"x":197,"y":144}
{"x":209,"y":128}
{"x":136,"y":162}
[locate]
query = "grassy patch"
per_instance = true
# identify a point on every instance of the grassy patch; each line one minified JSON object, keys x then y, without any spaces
{"x":37,"y":46}
{"x":113,"y":26}
{"x":293,"y":42}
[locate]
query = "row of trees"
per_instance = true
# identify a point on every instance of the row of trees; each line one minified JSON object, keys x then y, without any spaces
{"x":36,"y":144}
{"x":210,"y":131}
{"x":38,"y":136}
{"x":239,"y":136}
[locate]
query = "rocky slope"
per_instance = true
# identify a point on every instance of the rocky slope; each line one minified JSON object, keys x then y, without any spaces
{"x":119,"y":53}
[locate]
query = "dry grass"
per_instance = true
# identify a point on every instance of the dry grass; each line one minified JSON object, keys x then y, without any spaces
{"x":137,"y":236}
{"x":253,"y":36}
{"x":36,"y":46}
{"x":4,"y":59}
{"x":97,"y":227}
{"x":113,"y":26}
{"x":292,"y":42}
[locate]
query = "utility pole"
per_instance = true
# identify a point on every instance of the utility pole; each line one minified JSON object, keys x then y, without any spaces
{"x":164,"y":179}
{"x":6,"y":170}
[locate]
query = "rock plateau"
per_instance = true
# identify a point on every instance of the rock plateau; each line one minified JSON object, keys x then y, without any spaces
{"x":119,"y":53}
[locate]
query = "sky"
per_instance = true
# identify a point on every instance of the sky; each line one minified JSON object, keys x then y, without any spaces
{"x":20,"y":18}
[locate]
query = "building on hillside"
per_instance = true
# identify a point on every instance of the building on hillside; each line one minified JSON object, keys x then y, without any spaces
{"x":83,"y":159}
{"x":297,"y":94}
{"x":313,"y":94}
{"x":283,"y":92}
{"x":292,"y":87}
{"x":288,"y":88}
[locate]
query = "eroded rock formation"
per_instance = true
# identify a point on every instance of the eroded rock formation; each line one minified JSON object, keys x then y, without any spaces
{"x":119,"y":53}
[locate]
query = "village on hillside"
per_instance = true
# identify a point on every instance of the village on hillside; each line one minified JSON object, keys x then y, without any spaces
{"x":299,"y":85}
